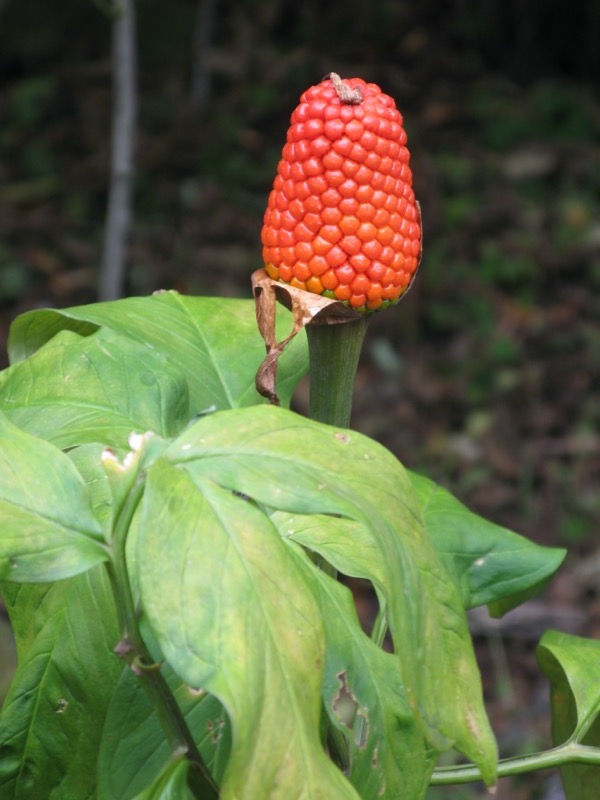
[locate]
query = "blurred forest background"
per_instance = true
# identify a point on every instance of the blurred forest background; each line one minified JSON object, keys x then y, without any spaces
{"x":487,"y":376}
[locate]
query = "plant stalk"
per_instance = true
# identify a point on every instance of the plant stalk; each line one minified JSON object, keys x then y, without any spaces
{"x":569,"y":753}
{"x":334,"y":351}
{"x":133,"y":650}
{"x":380,"y":626}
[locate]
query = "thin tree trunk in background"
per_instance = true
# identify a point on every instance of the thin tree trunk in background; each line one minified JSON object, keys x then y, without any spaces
{"x":2,"y":5}
{"x":118,"y":217}
{"x":205,"y":20}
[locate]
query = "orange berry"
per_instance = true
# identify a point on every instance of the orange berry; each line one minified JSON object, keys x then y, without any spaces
{"x":318,"y":265}
{"x":297,"y":284}
{"x":374,"y":292}
{"x":360,"y":262}
{"x":366,"y":231}
{"x":314,"y":285}
{"x":351,"y":245}
{"x":349,"y":225}
{"x":331,"y":216}
{"x":342,"y":292}
{"x":336,"y":256}
{"x":301,"y":271}
{"x":360,"y":284}
{"x":329,"y":279}
{"x":372,"y":249}
{"x":331,"y":198}
{"x":286,"y":273}
{"x":357,"y":300}
{"x":331,"y":233}
{"x":365,"y":212}
{"x":321,"y":246}
{"x":272,"y":272}
{"x":348,"y":188}
{"x":345,"y":274}
{"x":349,"y":206}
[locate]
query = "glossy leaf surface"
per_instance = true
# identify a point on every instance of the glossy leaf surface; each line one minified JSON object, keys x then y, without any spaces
{"x":213,"y":341}
{"x":364,"y":696}
{"x":100,"y":388}
{"x":288,"y":463}
{"x":571,"y":665}
{"x":171,"y":784}
{"x":51,"y":722}
{"x":241,"y":625}
{"x":491,"y":564}
{"x":134,"y":749}
{"x":48,"y":527}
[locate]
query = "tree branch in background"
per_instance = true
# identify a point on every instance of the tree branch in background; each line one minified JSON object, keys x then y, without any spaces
{"x":118,"y":217}
{"x":205,"y":20}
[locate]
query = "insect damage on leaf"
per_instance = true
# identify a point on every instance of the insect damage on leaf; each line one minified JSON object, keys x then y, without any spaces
{"x":344,"y":703}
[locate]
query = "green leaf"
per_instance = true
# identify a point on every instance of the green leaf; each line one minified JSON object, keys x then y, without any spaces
{"x":213,"y":341}
{"x":288,"y":463}
{"x":571,"y":665}
{"x":170,"y":785}
{"x":134,"y":749}
{"x":111,"y":474}
{"x":490,"y":564}
{"x":32,"y":330}
{"x":48,"y":527}
{"x":349,"y":546}
{"x":87,"y":458}
{"x":362,"y":678}
{"x":242,"y":625}
{"x":100,"y":388}
{"x":52,"y":719}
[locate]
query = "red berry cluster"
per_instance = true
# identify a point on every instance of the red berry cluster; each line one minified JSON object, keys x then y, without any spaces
{"x":341,"y":219}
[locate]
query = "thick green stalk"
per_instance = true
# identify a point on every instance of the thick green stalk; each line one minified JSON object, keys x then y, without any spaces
{"x":334,"y":351}
{"x":569,"y":753}
{"x":133,"y":650}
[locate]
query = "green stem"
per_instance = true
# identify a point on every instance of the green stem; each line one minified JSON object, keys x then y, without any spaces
{"x":334,"y":351}
{"x":133,"y":650}
{"x":380,"y":625}
{"x":571,"y":752}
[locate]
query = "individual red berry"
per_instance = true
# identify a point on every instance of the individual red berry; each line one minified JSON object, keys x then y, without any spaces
{"x":342,"y":217}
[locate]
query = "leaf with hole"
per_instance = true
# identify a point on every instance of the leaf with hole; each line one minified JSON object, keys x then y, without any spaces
{"x":288,"y":463}
{"x":364,"y":695}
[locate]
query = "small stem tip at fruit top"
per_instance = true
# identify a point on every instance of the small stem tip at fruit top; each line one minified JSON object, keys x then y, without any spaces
{"x":346,"y":94}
